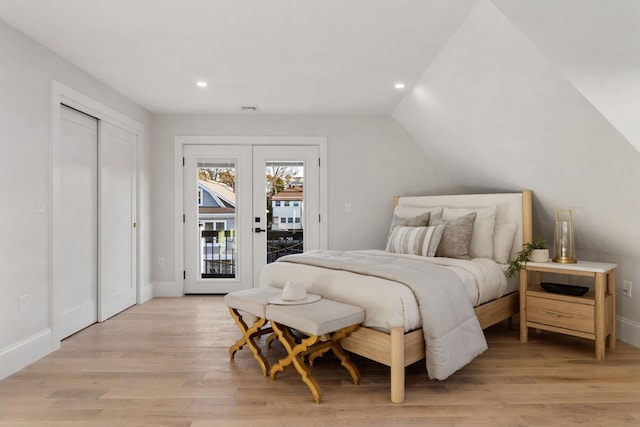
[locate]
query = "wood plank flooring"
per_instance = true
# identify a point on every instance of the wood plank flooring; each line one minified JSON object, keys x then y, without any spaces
{"x":166,"y":363}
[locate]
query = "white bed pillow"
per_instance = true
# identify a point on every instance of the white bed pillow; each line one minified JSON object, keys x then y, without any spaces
{"x":415,"y":240}
{"x":503,"y":236}
{"x":482,"y":235}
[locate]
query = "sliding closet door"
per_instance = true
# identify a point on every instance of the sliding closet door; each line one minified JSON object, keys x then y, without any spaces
{"x":117,"y":207}
{"x":75,"y":227}
{"x":93,"y":212}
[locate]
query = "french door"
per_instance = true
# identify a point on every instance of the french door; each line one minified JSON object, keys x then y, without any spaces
{"x":245,"y":206}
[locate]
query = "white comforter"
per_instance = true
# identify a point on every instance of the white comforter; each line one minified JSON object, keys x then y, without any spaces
{"x":453,"y":335}
{"x":387,"y":304}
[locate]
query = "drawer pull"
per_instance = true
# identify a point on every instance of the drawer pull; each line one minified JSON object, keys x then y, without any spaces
{"x":557,"y":313}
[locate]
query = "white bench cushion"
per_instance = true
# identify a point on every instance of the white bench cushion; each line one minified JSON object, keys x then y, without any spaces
{"x":317,"y":318}
{"x":252,"y":301}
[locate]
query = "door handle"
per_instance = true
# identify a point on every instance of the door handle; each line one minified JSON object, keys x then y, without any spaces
{"x":259,"y":230}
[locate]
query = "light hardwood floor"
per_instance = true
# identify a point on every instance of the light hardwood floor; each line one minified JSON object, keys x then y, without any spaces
{"x":166,"y":363}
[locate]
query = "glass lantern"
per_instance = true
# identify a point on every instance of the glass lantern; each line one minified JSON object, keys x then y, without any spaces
{"x":563,"y":238}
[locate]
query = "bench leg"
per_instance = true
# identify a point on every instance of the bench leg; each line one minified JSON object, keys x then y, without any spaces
{"x":341,"y":355}
{"x":313,"y":355}
{"x":249,"y":334}
{"x":270,"y":339}
{"x":295,"y":356}
{"x":312,"y":346}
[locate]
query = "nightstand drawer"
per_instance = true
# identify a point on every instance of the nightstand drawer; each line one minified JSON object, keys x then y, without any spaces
{"x":574,"y":316}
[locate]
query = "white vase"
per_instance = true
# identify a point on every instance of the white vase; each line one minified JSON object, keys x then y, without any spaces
{"x":539,"y":255}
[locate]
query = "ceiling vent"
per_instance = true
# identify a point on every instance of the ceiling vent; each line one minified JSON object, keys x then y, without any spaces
{"x":250,"y":108}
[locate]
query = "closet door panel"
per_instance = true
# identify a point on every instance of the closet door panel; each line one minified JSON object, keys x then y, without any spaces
{"x":117,"y":219}
{"x":75,"y":235}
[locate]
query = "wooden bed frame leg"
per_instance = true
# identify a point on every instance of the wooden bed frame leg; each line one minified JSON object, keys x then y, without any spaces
{"x":397,"y":365}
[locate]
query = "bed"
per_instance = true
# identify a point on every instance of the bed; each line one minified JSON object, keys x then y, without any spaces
{"x":392,"y":333}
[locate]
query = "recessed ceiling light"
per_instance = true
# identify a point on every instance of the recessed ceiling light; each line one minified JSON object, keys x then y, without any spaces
{"x":202,"y":84}
{"x":249,"y":108}
{"x":399,"y":85}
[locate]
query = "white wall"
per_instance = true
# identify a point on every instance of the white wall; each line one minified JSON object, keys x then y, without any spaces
{"x":26,"y":72}
{"x":502,"y":111}
{"x":370,"y":159}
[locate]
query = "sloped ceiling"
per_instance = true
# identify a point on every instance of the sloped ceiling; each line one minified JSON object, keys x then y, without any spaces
{"x":595,"y":45}
{"x":519,"y":113}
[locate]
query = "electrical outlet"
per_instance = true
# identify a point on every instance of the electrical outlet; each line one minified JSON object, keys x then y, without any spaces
{"x":626,"y":288}
{"x":24,"y":303}
{"x":161,"y":262}
{"x":347,"y":207}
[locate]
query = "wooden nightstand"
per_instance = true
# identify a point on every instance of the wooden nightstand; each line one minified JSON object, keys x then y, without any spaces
{"x":591,"y":316}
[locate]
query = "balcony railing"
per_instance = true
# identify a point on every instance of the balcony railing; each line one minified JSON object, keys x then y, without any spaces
{"x":281,"y":243}
{"x":218,"y":252}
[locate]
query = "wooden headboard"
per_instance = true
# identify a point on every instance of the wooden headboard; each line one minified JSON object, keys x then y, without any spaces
{"x":510,"y":208}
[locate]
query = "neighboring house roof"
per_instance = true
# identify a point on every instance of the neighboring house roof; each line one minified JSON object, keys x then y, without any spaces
{"x":292,"y":193}
{"x":222,"y":195}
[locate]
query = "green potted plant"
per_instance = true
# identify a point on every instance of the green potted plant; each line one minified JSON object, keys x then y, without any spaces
{"x":536,"y":251}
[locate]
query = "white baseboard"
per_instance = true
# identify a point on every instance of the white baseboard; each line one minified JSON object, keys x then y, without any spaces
{"x":25,"y":352}
{"x":146,"y":293}
{"x":167,"y":289}
{"x":628,"y":331}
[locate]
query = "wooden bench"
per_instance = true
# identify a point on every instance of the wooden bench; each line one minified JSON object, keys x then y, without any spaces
{"x":324,"y":323}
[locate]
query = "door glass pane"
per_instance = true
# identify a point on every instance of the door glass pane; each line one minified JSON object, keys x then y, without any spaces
{"x":217,"y":219}
{"x":285,"y":208}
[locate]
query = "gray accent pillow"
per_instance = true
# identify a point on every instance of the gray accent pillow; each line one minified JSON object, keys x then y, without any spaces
{"x":456,"y":237}
{"x":421,"y":220}
{"x":415,"y":240}
{"x":483,"y":228}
